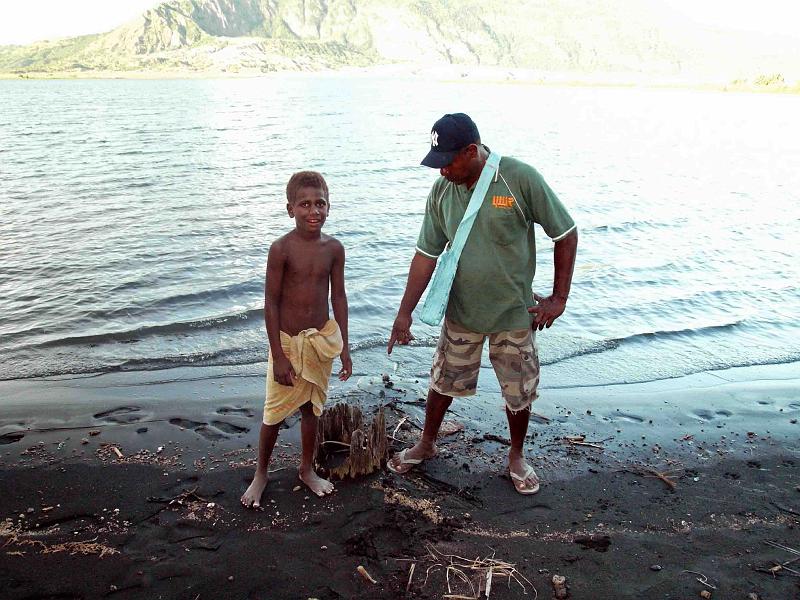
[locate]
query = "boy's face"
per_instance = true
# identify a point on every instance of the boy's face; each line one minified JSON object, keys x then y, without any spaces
{"x":309,"y":208}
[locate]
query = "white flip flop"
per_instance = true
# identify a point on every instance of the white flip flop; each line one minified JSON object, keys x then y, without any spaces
{"x":521,"y":479}
{"x":403,"y":461}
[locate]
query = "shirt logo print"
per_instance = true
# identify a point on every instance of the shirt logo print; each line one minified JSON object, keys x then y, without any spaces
{"x":503,"y":201}
{"x":434,"y":138}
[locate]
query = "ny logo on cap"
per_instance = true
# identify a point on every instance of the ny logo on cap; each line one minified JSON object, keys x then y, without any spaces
{"x":434,"y":138}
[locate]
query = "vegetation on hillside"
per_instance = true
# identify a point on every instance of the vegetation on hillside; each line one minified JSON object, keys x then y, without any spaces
{"x":623,"y":38}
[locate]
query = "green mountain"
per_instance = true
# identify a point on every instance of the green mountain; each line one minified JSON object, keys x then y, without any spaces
{"x":580,"y":37}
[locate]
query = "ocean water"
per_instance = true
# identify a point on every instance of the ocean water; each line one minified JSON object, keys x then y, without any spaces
{"x":135,"y":218}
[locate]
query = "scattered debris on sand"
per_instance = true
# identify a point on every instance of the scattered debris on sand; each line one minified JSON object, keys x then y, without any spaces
{"x":466,"y":579}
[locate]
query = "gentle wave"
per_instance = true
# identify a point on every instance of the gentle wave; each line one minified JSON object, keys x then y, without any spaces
{"x":141,"y":309}
{"x":214,"y":359}
{"x":557,"y":350}
{"x":238,"y":356}
{"x":677,"y":333}
{"x":256,"y":355}
{"x":252,"y":355}
{"x":236,"y":290}
{"x":632,"y":226}
{"x":153,"y":330}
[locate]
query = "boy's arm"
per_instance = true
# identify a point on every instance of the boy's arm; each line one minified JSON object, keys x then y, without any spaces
{"x":339,"y":303}
{"x":281,"y":367}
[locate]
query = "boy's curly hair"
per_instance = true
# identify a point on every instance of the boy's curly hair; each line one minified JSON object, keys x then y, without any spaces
{"x":305,"y":179}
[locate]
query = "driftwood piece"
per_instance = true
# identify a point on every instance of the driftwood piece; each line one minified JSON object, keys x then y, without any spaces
{"x":342,"y":427}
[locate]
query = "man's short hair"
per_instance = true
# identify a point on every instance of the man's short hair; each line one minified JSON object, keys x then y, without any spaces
{"x":305,"y":179}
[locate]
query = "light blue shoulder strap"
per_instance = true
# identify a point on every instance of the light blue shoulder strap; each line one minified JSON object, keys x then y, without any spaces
{"x":439,"y":291}
{"x":475,"y":202}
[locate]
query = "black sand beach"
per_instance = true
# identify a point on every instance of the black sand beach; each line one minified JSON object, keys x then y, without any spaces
{"x":127,"y":486}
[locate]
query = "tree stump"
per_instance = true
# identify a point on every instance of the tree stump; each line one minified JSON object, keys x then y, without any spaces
{"x":342,"y":426}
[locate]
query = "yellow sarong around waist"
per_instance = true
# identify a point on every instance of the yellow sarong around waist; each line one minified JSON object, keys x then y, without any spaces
{"x":311,"y":353}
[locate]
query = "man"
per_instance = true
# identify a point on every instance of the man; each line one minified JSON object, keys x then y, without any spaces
{"x":491,"y":294}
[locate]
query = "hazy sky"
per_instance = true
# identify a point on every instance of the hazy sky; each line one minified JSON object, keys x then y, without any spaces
{"x":24,"y":21}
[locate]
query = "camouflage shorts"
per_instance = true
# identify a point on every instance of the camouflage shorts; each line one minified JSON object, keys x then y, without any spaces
{"x":513,"y":354}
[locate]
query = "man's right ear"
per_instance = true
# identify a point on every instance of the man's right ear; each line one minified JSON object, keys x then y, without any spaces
{"x":290,"y":209}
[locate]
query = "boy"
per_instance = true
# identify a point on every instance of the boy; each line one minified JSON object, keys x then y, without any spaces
{"x":302,"y":267}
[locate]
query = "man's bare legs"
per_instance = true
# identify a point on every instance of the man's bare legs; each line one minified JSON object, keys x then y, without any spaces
{"x":435,"y":409}
{"x":526,"y":481}
{"x":308,"y":437}
{"x":266,"y":442}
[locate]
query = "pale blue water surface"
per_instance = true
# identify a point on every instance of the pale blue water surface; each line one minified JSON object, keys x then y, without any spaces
{"x":135,"y":218}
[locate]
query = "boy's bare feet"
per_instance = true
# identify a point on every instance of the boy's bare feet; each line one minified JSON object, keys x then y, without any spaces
{"x":252,"y":496}
{"x":315,"y":483}
{"x":404,"y":461}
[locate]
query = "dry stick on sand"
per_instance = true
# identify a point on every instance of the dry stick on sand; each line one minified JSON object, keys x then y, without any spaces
{"x":410,"y":575}
{"x":784,"y":566}
{"x":399,"y":424}
{"x":701,"y":579}
{"x":481,"y":571}
{"x":577,"y":440}
{"x":665,"y":476}
{"x":581,"y":441}
{"x":179,"y":499}
{"x":491,"y":437}
{"x":782,"y":547}
{"x":791,"y":511}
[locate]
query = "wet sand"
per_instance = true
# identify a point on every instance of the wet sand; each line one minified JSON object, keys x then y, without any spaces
{"x":128,"y":486}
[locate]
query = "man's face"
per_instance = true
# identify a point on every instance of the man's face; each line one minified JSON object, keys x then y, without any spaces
{"x":309,"y":209}
{"x":462,"y":170}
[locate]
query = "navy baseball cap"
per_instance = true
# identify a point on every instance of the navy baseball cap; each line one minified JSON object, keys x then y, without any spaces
{"x":450,"y":135}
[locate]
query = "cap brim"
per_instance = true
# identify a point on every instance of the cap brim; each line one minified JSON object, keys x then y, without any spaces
{"x":438,"y":160}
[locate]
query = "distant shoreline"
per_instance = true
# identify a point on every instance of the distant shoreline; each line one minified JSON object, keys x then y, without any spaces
{"x":444,"y":73}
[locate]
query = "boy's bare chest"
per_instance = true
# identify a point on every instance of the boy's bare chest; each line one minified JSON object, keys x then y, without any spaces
{"x":307,"y":265}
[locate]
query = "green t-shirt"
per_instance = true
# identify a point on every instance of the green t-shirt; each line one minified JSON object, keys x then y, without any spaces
{"x":492,"y":288}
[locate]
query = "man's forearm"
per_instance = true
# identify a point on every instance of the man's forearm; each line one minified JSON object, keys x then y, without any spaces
{"x":419,"y":275}
{"x":564,"y":264}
